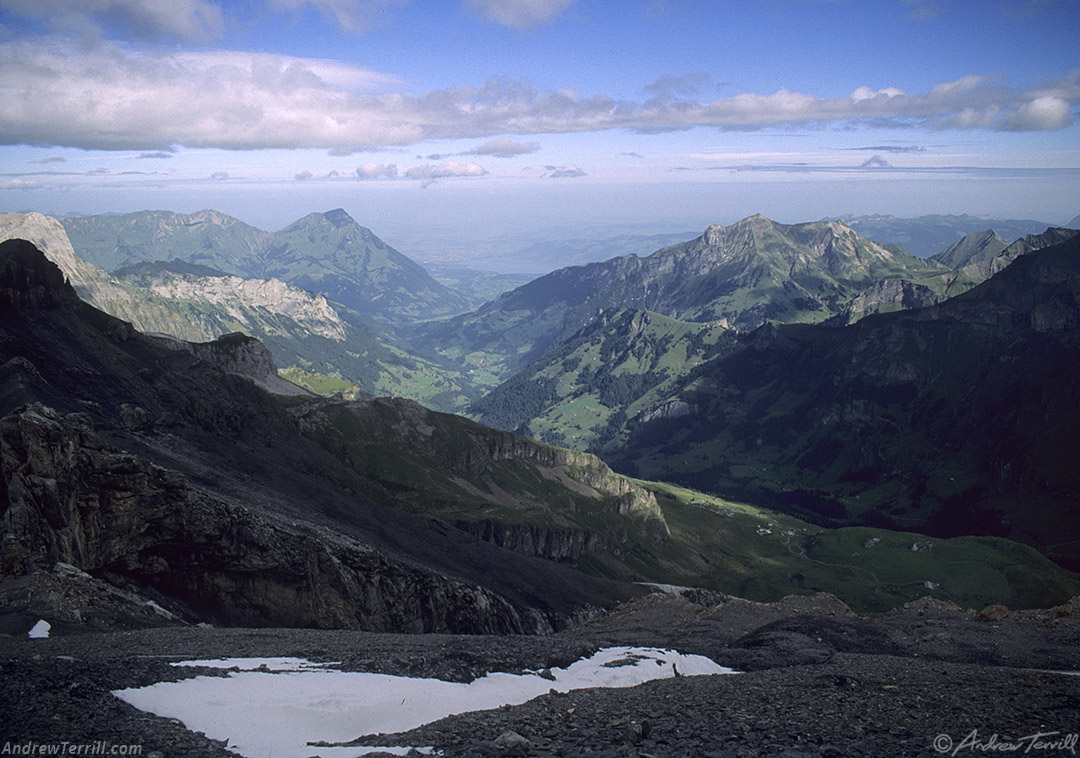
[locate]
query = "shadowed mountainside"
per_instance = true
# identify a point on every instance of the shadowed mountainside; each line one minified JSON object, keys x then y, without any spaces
{"x":957,"y":418}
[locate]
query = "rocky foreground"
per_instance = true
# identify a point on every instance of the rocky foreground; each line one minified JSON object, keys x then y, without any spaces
{"x":929,"y":679}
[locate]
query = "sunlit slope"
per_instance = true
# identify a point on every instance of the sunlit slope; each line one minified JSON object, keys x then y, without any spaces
{"x":739,"y":276}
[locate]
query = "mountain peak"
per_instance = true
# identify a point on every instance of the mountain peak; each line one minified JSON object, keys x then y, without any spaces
{"x":30,"y":280}
{"x":339,"y":218}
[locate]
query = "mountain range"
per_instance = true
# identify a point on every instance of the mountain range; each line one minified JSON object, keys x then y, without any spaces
{"x":740,"y":276}
{"x":325,"y":253}
{"x":598,"y":357}
{"x":321,"y":341}
{"x":924,"y":236}
{"x":155,"y":470}
{"x":919,"y":418}
{"x":956,"y":418}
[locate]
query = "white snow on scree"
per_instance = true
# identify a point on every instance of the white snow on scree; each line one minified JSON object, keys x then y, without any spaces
{"x":276,"y":710}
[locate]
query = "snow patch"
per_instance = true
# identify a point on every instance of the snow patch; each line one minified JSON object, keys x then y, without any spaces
{"x":40,"y":630}
{"x":278,"y":706}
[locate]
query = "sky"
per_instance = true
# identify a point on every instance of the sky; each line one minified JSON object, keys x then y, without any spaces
{"x":452,"y":122}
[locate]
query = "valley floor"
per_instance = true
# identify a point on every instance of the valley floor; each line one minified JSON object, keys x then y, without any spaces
{"x":929,"y":679}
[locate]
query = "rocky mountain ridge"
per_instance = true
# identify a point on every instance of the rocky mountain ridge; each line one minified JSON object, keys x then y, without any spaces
{"x":739,"y":276}
{"x":245,"y":303}
{"x":926,"y":236}
{"x":152,"y":469}
{"x":240,"y":296}
{"x":325,"y":253}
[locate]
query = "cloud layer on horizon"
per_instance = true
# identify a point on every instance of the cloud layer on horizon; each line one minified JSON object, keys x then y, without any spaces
{"x":105,"y":97}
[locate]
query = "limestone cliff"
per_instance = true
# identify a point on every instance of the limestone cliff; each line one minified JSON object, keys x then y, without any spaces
{"x":194,"y":308}
{"x":68,"y":497}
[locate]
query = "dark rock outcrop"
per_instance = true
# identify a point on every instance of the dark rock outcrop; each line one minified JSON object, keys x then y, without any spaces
{"x":178,"y":479}
{"x":552,"y":544}
{"x":70,"y":498}
{"x":30,"y":280}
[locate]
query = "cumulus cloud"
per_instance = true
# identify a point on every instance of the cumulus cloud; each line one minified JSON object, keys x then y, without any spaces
{"x":564,"y":172}
{"x":188,"y":20}
{"x":109,"y":98}
{"x":1039,"y":114}
{"x":520,"y":14}
{"x":377,"y":171}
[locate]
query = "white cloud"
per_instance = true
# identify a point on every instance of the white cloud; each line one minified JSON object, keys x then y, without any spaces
{"x":108,"y":98}
{"x":564,"y":172}
{"x":191,"y":20}
{"x":520,"y":14}
{"x":377,"y":171}
{"x":1041,"y":114}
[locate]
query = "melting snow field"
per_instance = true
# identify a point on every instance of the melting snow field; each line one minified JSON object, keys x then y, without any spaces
{"x":273,"y":707}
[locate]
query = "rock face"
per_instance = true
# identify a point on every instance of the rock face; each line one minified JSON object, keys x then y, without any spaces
{"x":240,"y":355}
{"x":163,"y":300}
{"x":95,"y":286}
{"x":72,"y":499}
{"x":253,"y":303}
{"x":551,"y":544}
{"x":168,"y":473}
{"x":29,"y":280}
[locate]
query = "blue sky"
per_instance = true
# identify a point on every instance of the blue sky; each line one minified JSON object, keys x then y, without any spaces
{"x":466,"y":119}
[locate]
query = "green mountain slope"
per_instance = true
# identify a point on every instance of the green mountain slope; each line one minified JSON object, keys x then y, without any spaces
{"x":326,"y":253}
{"x":207,"y":237}
{"x":581,"y":393}
{"x":331,"y":254}
{"x":739,"y":276}
{"x":569,"y":507}
{"x":924,"y":236}
{"x":627,"y":364}
{"x":960,"y":418}
{"x":977,"y":246}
